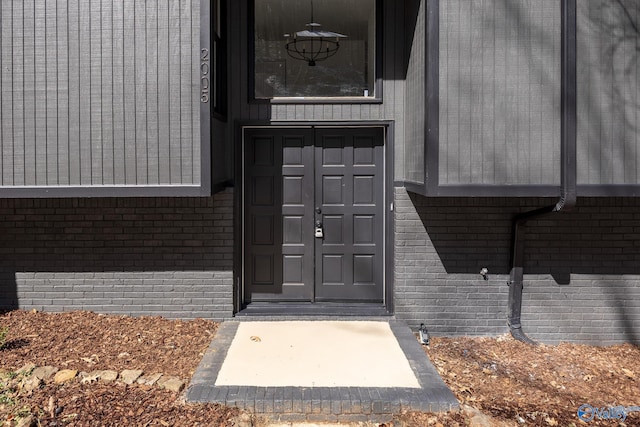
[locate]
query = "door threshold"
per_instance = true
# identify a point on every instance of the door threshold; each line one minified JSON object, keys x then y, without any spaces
{"x":314,"y":309}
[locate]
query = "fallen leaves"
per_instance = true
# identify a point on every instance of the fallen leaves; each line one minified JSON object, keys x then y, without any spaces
{"x":542,"y":386}
{"x":510,"y":382}
{"x":551,"y":421}
{"x":88,"y":341}
{"x":629,"y":373}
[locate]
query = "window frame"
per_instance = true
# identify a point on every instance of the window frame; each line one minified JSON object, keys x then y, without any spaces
{"x":378,"y":69}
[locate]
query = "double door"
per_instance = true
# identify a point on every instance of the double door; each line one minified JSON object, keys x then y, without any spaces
{"x":313,"y":214}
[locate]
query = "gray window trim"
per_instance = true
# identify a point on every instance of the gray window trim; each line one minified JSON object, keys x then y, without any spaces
{"x":378,"y":86}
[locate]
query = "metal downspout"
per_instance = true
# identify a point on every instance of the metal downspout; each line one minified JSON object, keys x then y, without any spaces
{"x":516,"y":276}
{"x":568,"y":169}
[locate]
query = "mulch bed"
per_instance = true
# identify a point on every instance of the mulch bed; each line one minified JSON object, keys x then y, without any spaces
{"x":510,"y":382}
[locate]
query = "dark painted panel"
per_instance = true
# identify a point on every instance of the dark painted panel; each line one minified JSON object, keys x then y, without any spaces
{"x":292,"y":230}
{"x":292,"y":190}
{"x":364,"y":270}
{"x":332,"y":190}
{"x":306,"y":267}
{"x":263,"y":190}
{"x":293,"y":270}
{"x":333,"y":152}
{"x":292,"y":152}
{"x":334,"y":229}
{"x":262,"y":230}
{"x":263,"y":152}
{"x":364,"y":190}
{"x":333,"y":271}
{"x":263,"y":270}
{"x":363,"y":229}
{"x":281,"y":189}
{"x":360,"y":220}
{"x":297,"y":181}
{"x":363,"y":152}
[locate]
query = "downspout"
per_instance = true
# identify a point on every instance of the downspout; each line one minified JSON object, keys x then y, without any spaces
{"x":568,"y":127}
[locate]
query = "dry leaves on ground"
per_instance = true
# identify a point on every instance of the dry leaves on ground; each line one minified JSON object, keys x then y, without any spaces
{"x":87,"y":342}
{"x":511,"y":383}
{"x":539,"y":385}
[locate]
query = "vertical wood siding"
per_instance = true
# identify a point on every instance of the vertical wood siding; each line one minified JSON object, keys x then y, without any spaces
{"x":499,"y":92}
{"x":245,"y":109}
{"x":608,"y":92}
{"x":414,"y":120}
{"x":99,"y":93}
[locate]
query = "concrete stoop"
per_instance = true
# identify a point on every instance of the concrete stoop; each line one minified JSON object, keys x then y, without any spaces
{"x":323,"y":404}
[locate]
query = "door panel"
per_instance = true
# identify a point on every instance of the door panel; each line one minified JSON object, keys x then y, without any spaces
{"x":295,"y":178}
{"x":350,"y":194}
{"x":278,"y":188}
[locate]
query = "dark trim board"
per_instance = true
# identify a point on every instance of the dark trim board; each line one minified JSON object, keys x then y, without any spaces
{"x":568,"y":101}
{"x":389,"y":235}
{"x":110,"y":191}
{"x":608,"y":190}
{"x":583,"y":190}
{"x":317,"y":309}
{"x":205,"y":100}
{"x":388,"y":126}
{"x":484,"y":190}
{"x":432,"y":97}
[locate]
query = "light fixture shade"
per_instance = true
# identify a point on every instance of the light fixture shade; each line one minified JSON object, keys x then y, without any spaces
{"x":313,"y":44}
{"x":320,"y":34}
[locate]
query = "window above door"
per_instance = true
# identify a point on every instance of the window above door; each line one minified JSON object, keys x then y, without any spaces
{"x":315,"y":50}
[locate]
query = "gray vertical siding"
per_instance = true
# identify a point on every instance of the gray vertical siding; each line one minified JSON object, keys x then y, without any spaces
{"x":414,"y":119}
{"x":499,"y":92}
{"x":608,"y":92}
{"x":100,"y":93}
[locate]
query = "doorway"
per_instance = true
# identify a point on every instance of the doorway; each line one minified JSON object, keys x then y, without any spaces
{"x":313,"y":214}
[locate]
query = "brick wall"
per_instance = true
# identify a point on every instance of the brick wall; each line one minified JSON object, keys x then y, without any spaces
{"x":139,"y":256}
{"x":174,"y":257}
{"x":582,"y":268}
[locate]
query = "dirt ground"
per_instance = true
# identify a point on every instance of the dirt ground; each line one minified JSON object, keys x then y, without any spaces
{"x":507,"y":382}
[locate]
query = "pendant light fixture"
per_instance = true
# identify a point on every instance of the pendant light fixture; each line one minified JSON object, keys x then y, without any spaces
{"x":313,"y":44}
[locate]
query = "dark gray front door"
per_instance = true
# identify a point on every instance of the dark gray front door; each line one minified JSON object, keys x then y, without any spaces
{"x":313,"y":217}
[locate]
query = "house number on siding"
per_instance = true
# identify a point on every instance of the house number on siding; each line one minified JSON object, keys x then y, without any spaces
{"x":204,"y":75}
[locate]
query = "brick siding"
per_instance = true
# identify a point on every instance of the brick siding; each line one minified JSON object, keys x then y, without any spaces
{"x":582,"y":268}
{"x":138,"y":256}
{"x":174,"y":257}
